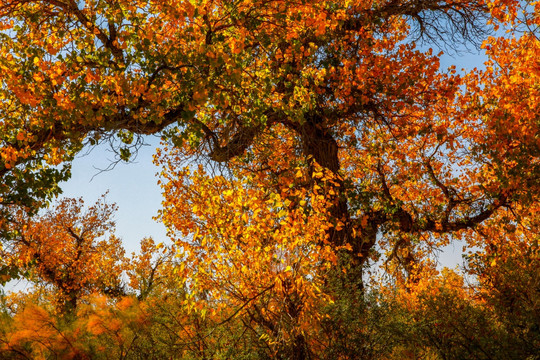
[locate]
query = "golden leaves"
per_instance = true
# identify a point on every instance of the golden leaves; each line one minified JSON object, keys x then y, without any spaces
{"x":65,"y":249}
{"x":404,"y":147}
{"x":246,"y":241}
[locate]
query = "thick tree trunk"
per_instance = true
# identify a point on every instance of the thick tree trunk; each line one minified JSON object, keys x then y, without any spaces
{"x":299,"y":348}
{"x":320,"y":145}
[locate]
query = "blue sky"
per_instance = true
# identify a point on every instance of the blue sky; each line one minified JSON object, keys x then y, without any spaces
{"x":132,"y":186}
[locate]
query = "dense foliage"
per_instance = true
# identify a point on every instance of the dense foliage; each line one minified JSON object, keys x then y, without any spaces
{"x":316,"y":156}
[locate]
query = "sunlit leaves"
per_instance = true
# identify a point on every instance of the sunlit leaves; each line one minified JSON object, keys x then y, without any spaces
{"x":245,"y":250}
{"x":342,"y":142}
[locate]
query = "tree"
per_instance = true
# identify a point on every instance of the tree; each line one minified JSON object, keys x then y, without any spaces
{"x":69,"y":249}
{"x":324,"y":109}
{"x":343,"y":78}
{"x":152,"y":269}
{"x":506,"y":267}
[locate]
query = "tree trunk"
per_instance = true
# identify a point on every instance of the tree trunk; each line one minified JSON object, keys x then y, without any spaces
{"x":320,"y":145}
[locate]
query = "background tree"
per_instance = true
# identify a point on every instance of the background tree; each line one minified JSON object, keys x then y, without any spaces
{"x":506,"y":267}
{"x":72,"y":250}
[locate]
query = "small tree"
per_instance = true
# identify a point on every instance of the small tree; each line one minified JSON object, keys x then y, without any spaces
{"x":70,"y":249}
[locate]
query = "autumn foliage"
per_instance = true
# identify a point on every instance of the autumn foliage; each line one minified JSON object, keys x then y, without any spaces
{"x":315,"y":159}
